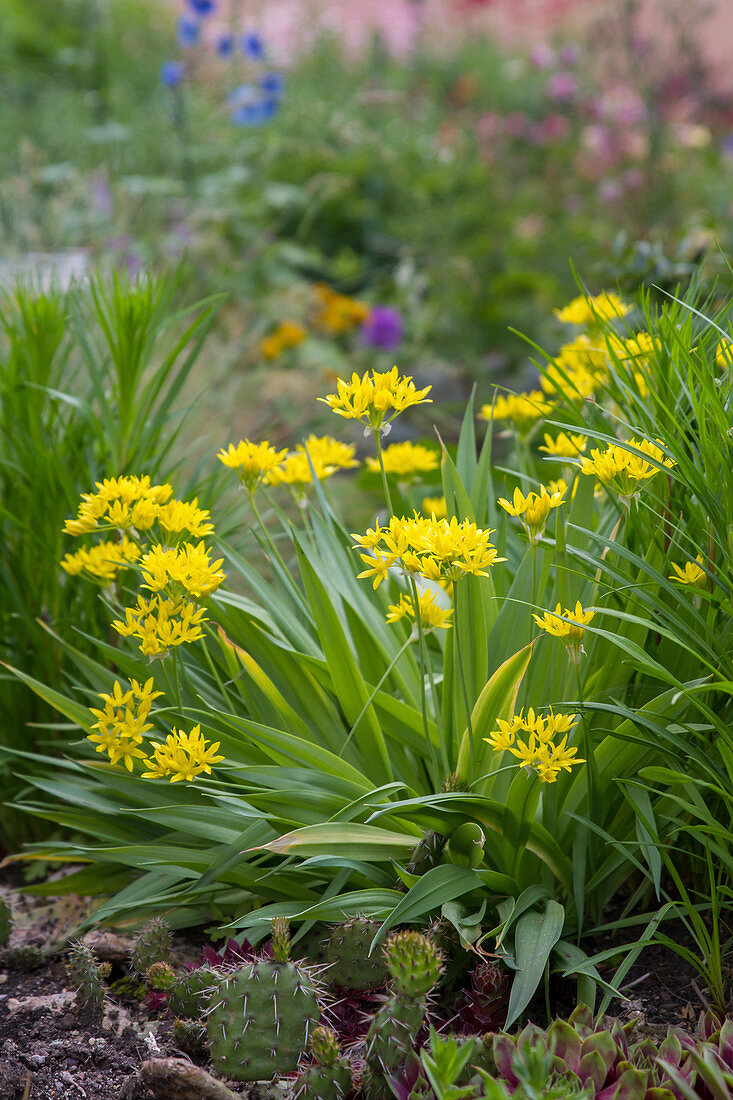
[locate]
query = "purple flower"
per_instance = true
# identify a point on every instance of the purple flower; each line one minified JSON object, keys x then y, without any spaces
{"x":726,"y":145}
{"x":188,"y":31}
{"x":253,"y":46}
{"x":225,"y":45}
{"x":250,"y":107}
{"x":569,"y":54}
{"x":542,"y":56}
{"x":383,"y":328}
{"x":171,"y":73}
{"x":202,"y":7}
{"x":561,"y":86}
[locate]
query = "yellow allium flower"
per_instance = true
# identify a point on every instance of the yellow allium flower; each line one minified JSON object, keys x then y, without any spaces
{"x":120,"y":502}
{"x":182,"y":756}
{"x":440,"y":550}
{"x":103,"y":561}
{"x":692,"y":573}
{"x":161,"y":623}
{"x":559,"y":485}
{"x":724,"y":354}
{"x":179,"y":516}
{"x":187,"y":566}
{"x":338,"y":313}
{"x":569,"y":625}
{"x":406,"y":460}
{"x":376,"y":398}
{"x":252,"y":461}
{"x":329,"y":451}
{"x":585,"y":310}
{"x":564,"y":445}
{"x":296,"y":471}
{"x":537,"y":751}
{"x":523,"y":409}
{"x":435,"y":507}
{"x":432,"y":615}
{"x":271,"y":347}
{"x":573,"y":382}
{"x":622,"y":470}
{"x":122,"y":722}
{"x":532,"y":509}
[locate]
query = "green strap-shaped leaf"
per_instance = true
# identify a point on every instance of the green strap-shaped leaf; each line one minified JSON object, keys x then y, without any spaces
{"x":495,"y":701}
{"x":348,"y":683}
{"x":535,"y":936}
{"x":364,"y":842}
{"x":432,"y":890}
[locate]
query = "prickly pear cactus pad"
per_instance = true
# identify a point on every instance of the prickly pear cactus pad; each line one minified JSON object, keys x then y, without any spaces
{"x":260,"y":1019}
{"x":151,"y":946}
{"x":347,"y":953}
{"x":414,"y":962}
{"x":189,"y":997}
{"x":330,"y":1077}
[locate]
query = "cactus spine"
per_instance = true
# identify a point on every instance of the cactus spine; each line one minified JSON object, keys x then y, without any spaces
{"x":189,"y":996}
{"x":415,"y":964}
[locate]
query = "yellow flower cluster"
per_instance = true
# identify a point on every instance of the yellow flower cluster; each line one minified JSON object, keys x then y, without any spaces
{"x":133,"y":503}
{"x":432,"y":615}
{"x":252,"y":461}
{"x":588,"y":311}
{"x":406,"y":460}
{"x":691,"y":573}
{"x":440,"y":550}
{"x":620,"y":469}
{"x":434,"y":507}
{"x":182,"y":756}
{"x":327,"y":455}
{"x":538,"y":751}
{"x":376,"y":398}
{"x":523,"y":409}
{"x":103,"y":561}
{"x":186,"y":567}
{"x":288,"y":334}
{"x":122,"y":721}
{"x":161,"y":623}
{"x":564,"y":445}
{"x":532,"y":509}
{"x":577,"y":371}
{"x":569,"y":625}
{"x":337,"y":313}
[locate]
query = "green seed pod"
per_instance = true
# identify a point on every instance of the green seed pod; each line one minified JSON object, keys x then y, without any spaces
{"x":466,"y":845}
{"x":160,"y":976}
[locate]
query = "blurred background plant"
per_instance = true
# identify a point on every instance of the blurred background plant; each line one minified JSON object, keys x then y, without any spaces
{"x":139,"y":133}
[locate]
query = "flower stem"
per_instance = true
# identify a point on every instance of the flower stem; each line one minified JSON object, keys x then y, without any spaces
{"x":385,"y":484}
{"x":462,"y":674}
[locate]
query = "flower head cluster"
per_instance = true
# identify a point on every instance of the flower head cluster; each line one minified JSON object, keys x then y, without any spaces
{"x":435,"y":507}
{"x":440,"y":550}
{"x":619,"y":468}
{"x":564,"y":445}
{"x":288,"y":334}
{"x":568,"y":625}
{"x":103,"y":561}
{"x":122,"y":721}
{"x":532,"y":509}
{"x":337,"y":313}
{"x":692,"y":572}
{"x":119,"y":502}
{"x":376,"y":398}
{"x":329,"y":451}
{"x":252,"y":461}
{"x":538,"y":751}
{"x":577,"y":371}
{"x":161,"y":622}
{"x":588,"y":311}
{"x":523,"y":409}
{"x":184,"y":569}
{"x":182,"y":756}
{"x":297,"y":471}
{"x":432,"y":615}
{"x":406,"y":460}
